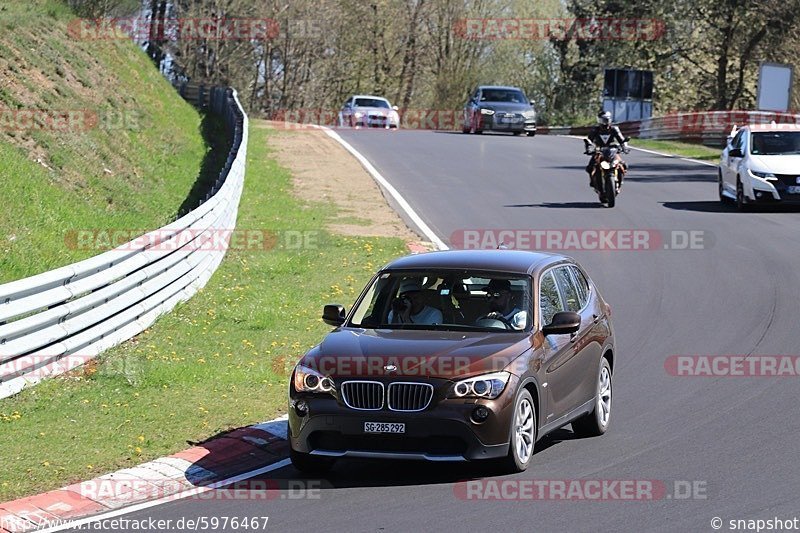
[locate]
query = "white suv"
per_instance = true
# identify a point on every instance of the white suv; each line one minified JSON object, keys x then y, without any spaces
{"x":761,"y":165}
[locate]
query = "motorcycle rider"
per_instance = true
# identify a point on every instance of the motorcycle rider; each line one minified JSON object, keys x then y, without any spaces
{"x":602,"y":135}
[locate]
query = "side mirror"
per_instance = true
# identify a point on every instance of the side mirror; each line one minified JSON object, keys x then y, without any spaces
{"x":735,"y":152}
{"x":563,"y":323}
{"x":395,"y":108}
{"x":333,"y":314}
{"x":531,"y":103}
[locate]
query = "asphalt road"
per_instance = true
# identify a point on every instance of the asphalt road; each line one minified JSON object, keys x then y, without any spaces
{"x":739,"y":438}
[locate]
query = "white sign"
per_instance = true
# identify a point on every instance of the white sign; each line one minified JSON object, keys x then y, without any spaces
{"x":774,"y":87}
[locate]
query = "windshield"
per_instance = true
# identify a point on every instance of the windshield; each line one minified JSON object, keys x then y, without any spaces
{"x":371,"y":102}
{"x":775,"y":143}
{"x":453,"y":300}
{"x":514,"y":96}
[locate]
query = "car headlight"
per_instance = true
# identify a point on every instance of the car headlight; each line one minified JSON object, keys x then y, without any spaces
{"x":309,"y":380}
{"x":605,"y":165}
{"x":487,"y":112}
{"x":488,"y":386}
{"x":764,"y":175}
{"x":358,"y":114}
{"x":529,"y":114}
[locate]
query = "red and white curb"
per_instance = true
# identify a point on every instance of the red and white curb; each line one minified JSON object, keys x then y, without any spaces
{"x":239,"y":455}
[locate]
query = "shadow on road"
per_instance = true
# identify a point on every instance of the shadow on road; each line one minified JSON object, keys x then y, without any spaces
{"x":703,"y":206}
{"x":562,"y":205}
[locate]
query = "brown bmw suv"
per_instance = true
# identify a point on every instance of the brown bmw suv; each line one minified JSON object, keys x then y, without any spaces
{"x":454,"y":356}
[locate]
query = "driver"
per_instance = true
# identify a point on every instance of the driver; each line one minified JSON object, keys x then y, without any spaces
{"x":602,"y":135}
{"x":410,"y":307}
{"x":498,"y":291}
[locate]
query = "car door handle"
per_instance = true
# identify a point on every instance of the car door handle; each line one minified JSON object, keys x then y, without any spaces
{"x":596,"y":318}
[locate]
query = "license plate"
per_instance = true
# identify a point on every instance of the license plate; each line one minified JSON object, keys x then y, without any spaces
{"x":793,"y":189}
{"x":507,"y":120}
{"x":384,"y":427}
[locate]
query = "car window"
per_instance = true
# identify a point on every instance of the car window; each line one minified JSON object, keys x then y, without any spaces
{"x":549,"y":299}
{"x":568,"y":289}
{"x":372,"y":102}
{"x":514,"y":96}
{"x":581,"y":285}
{"x":736,"y":142}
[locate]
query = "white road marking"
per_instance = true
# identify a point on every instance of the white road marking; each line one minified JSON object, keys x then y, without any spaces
{"x":404,"y":205}
{"x":174,"y":497}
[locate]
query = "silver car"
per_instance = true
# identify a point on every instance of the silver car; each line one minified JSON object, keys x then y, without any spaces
{"x":369,"y":111}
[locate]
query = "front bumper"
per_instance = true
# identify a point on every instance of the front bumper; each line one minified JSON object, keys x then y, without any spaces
{"x":503,"y":122}
{"x":773,"y":191}
{"x":442,"y":432}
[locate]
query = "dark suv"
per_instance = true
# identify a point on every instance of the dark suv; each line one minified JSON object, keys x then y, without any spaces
{"x":498,"y":108}
{"x":453,"y":356}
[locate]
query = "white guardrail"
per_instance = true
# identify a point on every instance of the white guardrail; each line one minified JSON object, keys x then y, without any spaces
{"x":53,"y":322}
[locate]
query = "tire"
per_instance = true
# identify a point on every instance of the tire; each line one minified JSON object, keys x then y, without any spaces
{"x":722,"y":198}
{"x":311,"y":464}
{"x":609,"y":189}
{"x":530,"y":133}
{"x":597,"y":422}
{"x":741,"y":202}
{"x":522,"y":439}
{"x":517,"y":133}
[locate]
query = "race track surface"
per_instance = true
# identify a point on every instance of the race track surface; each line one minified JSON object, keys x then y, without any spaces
{"x":738,"y":437}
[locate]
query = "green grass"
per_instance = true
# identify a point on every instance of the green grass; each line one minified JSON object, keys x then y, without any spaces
{"x":694,"y":151}
{"x":218,"y":362}
{"x":131,"y":171}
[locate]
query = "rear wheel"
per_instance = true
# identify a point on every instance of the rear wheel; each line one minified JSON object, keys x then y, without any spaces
{"x":596,"y":423}
{"x":523,"y":433}
{"x":311,"y":464}
{"x":530,"y":133}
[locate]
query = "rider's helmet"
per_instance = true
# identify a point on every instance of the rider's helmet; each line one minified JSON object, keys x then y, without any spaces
{"x":604,"y":118}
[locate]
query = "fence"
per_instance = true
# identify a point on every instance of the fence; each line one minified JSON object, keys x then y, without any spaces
{"x":55,"y":321}
{"x":710,"y":128}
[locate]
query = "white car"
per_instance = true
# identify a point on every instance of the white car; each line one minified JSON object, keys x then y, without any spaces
{"x":369,"y":111}
{"x":761,"y":165}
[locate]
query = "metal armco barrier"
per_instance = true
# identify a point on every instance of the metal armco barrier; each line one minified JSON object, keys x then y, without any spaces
{"x":53,"y":322}
{"x":710,"y":128}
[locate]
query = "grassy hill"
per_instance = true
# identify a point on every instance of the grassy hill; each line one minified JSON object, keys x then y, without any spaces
{"x":126,"y":158}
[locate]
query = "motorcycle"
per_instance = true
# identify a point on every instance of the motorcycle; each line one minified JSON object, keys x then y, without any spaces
{"x":611,"y":170}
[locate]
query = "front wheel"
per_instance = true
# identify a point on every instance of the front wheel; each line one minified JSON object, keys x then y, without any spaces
{"x":523,"y":433}
{"x":530,"y":133}
{"x":596,"y":423}
{"x":609,"y":188}
{"x":721,"y":188}
{"x":741,"y":200}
